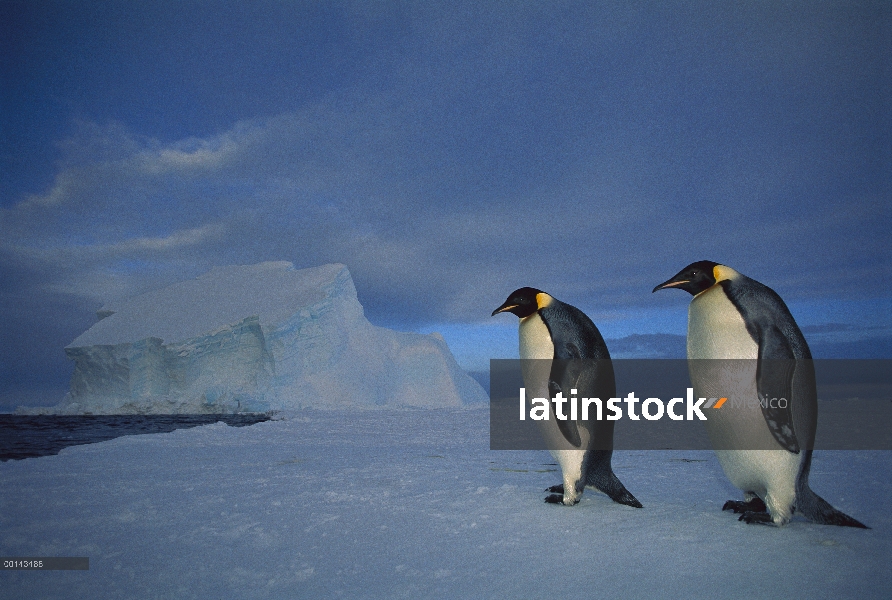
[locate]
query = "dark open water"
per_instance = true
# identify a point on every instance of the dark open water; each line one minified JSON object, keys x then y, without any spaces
{"x":25,"y":436}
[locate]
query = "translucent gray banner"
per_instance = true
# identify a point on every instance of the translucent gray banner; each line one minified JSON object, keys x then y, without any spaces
{"x":824,"y":404}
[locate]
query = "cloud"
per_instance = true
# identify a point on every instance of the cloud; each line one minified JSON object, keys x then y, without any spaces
{"x":351,"y":184}
{"x":178,"y":239}
{"x":204,"y":157}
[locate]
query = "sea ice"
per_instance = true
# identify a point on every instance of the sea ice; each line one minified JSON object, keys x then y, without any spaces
{"x":396,"y":503}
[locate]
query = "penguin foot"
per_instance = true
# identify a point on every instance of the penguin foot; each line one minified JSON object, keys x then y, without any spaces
{"x":556,"y":489}
{"x":557,"y":499}
{"x":750,"y":517}
{"x":755,"y":505}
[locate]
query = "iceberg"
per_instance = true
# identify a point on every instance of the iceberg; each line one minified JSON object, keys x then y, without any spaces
{"x":257,"y":338}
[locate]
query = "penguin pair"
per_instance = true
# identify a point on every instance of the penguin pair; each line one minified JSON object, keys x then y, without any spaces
{"x":730,"y":317}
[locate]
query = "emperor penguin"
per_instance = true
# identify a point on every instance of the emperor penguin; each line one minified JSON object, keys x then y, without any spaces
{"x":764,"y":442}
{"x":562,"y":351}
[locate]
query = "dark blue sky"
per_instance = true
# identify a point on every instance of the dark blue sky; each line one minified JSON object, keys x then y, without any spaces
{"x":448,"y":154}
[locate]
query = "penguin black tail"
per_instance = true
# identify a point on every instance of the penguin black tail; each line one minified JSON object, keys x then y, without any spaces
{"x":813,"y":507}
{"x":601,"y":476}
{"x":618,"y":493}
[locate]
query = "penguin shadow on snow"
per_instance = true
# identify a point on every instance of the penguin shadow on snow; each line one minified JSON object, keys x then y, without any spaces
{"x":562,"y":351}
{"x":742,"y":339}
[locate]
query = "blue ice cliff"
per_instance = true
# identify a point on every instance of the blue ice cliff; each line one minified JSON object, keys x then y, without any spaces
{"x":253,"y":339}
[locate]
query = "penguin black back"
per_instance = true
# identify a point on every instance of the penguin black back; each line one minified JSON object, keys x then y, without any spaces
{"x":574,"y":335}
{"x":767,"y":318}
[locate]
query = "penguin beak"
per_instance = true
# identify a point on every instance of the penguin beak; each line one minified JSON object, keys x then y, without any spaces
{"x":671,"y":283}
{"x":503,"y":308}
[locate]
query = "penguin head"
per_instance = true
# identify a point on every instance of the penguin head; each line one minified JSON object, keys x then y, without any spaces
{"x":524,"y":302}
{"x":694,"y":278}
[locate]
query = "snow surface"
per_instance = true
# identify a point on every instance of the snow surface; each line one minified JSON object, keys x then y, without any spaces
{"x":255,"y":338}
{"x":412,"y":504}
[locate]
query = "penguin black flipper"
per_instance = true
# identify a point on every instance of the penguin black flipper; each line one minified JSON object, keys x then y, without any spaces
{"x":774,"y":381}
{"x":565,"y":372}
{"x":567,"y":427}
{"x":759,"y":305}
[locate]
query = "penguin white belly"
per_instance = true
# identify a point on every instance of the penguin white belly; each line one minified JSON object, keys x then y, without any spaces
{"x":716,"y":330}
{"x":535,"y":340}
{"x":537,"y":353}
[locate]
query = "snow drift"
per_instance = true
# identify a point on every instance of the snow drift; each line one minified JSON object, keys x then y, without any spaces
{"x":253,"y":339}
